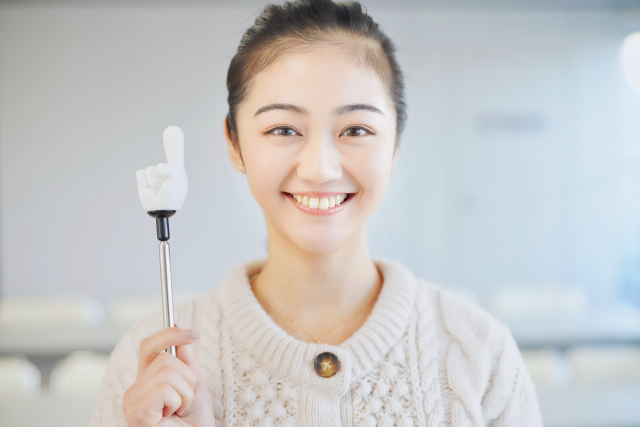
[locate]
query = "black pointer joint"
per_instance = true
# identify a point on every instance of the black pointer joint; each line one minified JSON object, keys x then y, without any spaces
{"x":162,"y":223}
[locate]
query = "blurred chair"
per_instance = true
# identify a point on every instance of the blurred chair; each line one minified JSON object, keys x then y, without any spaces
{"x":543,"y":300}
{"x":605,"y":364}
{"x":127,"y":311}
{"x":19,"y":378}
{"x":27,"y":313}
{"x":79,"y":374}
{"x":548,"y":367}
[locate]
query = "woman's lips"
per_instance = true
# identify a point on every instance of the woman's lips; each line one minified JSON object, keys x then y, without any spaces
{"x":321,"y":212}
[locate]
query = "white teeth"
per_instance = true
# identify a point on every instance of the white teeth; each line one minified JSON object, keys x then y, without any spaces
{"x":320,"y":203}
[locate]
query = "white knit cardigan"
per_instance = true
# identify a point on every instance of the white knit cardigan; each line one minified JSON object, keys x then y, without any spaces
{"x":423,"y":358}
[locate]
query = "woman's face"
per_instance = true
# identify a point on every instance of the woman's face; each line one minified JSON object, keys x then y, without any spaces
{"x":318,"y":126}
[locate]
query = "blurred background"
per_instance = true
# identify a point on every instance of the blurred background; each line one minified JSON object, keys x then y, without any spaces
{"x":517,"y":187}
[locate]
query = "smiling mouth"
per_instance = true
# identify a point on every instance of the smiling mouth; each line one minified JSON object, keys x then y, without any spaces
{"x":320,"y":205}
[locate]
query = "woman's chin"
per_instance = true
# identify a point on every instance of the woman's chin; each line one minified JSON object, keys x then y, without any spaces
{"x":317,"y":244}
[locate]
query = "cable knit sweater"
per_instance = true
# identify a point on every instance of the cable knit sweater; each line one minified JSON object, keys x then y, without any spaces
{"x":423,"y":358}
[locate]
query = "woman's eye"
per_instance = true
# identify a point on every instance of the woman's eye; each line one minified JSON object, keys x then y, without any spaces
{"x":356,"y":131}
{"x":283,"y":131}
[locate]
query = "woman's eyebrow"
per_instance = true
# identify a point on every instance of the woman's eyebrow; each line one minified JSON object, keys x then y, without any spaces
{"x":288,"y":107}
{"x":355,"y":107}
{"x":301,"y":110}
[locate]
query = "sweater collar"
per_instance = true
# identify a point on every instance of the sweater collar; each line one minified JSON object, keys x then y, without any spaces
{"x":292,"y":359}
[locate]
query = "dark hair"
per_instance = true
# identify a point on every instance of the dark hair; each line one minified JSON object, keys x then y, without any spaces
{"x":282,"y":29}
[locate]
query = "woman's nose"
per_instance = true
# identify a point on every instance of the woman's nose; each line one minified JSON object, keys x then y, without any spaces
{"x":320,"y":160}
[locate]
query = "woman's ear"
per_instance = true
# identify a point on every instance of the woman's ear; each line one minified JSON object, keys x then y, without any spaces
{"x":234,"y":152}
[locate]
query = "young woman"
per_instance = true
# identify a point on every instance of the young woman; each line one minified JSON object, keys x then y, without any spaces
{"x":318,"y":333}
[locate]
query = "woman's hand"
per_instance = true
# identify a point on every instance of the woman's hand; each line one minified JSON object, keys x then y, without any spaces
{"x":169,"y":391}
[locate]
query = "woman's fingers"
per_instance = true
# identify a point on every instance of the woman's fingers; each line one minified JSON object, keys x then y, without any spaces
{"x":185,"y":354}
{"x":165,"y":362}
{"x":161,"y":401}
{"x":155,"y":344}
{"x":181,"y":378}
{"x":165,"y":384}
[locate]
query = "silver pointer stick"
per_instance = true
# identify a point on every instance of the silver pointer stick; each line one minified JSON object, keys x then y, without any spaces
{"x":162,"y":190}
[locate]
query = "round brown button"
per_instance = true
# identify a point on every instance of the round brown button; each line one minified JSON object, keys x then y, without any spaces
{"x":326,"y":364}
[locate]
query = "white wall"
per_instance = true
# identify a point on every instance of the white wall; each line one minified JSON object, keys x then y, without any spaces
{"x":520,"y":160}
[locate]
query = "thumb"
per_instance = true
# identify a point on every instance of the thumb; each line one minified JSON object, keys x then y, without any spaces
{"x":173,"y":139}
{"x":201,"y":407}
{"x":186,"y":354}
{"x":166,"y":171}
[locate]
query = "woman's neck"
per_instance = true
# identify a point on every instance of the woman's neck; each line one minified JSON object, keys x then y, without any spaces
{"x":318,"y":290}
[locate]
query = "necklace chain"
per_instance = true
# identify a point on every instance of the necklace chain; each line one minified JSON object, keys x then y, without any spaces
{"x":317,"y":338}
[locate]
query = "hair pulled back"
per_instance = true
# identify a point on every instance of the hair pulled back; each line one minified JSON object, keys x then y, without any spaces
{"x":295,"y":25}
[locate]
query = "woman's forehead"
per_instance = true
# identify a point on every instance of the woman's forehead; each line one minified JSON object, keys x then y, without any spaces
{"x":318,"y":78}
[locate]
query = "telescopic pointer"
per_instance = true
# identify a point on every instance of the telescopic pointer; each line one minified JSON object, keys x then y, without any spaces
{"x":162,"y":190}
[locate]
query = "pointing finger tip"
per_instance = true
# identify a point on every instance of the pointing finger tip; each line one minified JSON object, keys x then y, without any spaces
{"x":173,"y":131}
{"x":173,"y":139}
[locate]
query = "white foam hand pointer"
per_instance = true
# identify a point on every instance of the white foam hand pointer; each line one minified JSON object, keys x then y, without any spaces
{"x":164,"y":187}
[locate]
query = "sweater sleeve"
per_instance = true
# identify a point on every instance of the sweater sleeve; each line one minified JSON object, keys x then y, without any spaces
{"x":511,"y":398}
{"x":121,"y":373}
